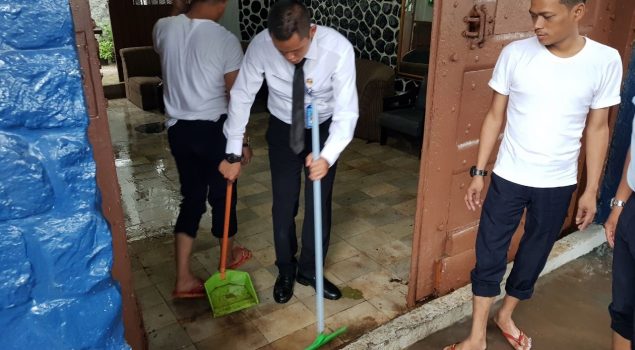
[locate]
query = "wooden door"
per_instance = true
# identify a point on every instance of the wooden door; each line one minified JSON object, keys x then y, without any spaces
{"x":132,"y":23}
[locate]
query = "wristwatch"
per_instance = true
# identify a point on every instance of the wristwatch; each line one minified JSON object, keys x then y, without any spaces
{"x":247,"y":142}
{"x":617,"y":203}
{"x":232,"y":158}
{"x":477,"y":172}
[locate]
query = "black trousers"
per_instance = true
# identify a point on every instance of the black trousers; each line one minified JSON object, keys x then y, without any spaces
{"x":198,"y":147}
{"x":286,"y":169}
{"x":501,"y":215}
{"x":623,"y":305}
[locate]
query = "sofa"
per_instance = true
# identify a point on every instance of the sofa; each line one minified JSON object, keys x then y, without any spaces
{"x":142,"y":76}
{"x":375,"y":81}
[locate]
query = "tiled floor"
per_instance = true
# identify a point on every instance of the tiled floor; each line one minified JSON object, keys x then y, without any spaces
{"x":369,"y":255}
{"x":109,"y":74}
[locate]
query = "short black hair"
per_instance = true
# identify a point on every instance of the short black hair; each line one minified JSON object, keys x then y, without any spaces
{"x":571,"y":3}
{"x":287,"y":17}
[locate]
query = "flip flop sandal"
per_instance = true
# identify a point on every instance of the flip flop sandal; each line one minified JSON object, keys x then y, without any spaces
{"x":194,"y":293}
{"x":245,"y":255}
{"x":522,"y":341}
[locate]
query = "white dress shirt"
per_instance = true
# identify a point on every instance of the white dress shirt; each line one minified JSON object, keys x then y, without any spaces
{"x":330,"y":63}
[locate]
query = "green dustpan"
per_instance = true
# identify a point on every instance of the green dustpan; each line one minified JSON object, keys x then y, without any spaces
{"x":229,"y":290}
{"x":230,"y":294}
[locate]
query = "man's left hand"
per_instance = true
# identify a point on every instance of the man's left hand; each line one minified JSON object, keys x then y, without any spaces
{"x":317,"y":168}
{"x":587,"y":207}
{"x":247,"y":155}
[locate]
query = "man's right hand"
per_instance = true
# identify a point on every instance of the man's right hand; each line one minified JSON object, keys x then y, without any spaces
{"x":473,"y":195}
{"x":230,"y":171}
{"x":611,"y":224}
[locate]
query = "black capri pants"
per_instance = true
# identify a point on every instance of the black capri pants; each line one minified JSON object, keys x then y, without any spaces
{"x":502,"y":211}
{"x":198,"y":147}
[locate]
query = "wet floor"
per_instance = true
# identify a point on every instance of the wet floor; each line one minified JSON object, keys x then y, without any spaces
{"x":568,"y":310}
{"x":368,"y":258}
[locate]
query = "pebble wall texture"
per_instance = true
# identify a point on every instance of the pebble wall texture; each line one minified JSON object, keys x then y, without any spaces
{"x":371,"y":26}
{"x":56,"y":290}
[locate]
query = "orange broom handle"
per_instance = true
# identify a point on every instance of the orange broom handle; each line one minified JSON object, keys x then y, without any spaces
{"x":228,"y":205}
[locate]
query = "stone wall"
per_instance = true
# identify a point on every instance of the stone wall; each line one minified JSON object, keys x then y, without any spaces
{"x":372,"y":26}
{"x":56,"y":291}
{"x":99,"y":11}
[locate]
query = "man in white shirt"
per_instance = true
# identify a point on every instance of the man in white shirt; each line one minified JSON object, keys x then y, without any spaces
{"x":549,"y":87}
{"x":199,"y":61}
{"x":288,"y":54}
{"x":620,"y":234}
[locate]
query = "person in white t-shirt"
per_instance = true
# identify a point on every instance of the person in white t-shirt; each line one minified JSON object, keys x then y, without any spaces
{"x":620,"y":234}
{"x":549,"y":87}
{"x":199,"y":61}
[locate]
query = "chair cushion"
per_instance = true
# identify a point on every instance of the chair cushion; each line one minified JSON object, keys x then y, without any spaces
{"x":406,"y":121}
{"x":367,"y":71}
{"x":141,"y":61}
{"x":143,"y":92}
{"x":138,"y":82}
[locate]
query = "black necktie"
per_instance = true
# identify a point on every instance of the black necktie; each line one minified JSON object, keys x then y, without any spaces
{"x":296,"y":135}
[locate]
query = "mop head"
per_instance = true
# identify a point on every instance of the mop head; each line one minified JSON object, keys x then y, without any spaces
{"x":325,"y":338}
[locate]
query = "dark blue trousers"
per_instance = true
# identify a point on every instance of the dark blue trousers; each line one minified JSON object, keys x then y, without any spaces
{"x":502,"y":211}
{"x":622,"y":307}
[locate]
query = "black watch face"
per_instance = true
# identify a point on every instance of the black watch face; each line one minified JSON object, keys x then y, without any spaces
{"x":232,"y":158}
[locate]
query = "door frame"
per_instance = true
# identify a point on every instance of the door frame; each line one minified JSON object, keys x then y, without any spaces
{"x":106,"y":174}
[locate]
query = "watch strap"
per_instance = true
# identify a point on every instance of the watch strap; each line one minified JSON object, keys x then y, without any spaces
{"x":617,"y":203}
{"x":477,"y":172}
{"x":232,"y":158}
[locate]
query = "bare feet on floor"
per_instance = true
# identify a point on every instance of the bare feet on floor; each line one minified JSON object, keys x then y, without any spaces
{"x":189,"y":287}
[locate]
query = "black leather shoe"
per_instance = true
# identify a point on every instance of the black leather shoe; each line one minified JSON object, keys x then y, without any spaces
{"x":330,"y":290}
{"x":283,"y":289}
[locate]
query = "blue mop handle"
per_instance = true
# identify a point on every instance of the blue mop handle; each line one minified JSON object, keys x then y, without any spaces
{"x":317,"y":219}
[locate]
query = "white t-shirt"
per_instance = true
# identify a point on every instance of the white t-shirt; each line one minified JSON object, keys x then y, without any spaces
{"x":630,"y":176}
{"x":549,"y":100}
{"x":195,"y":56}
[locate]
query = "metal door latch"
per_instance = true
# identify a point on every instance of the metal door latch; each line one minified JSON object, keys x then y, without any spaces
{"x":476,"y":22}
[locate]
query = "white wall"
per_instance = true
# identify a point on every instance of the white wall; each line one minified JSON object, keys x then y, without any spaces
{"x":423,"y":11}
{"x":230,"y":20}
{"x":99,"y":11}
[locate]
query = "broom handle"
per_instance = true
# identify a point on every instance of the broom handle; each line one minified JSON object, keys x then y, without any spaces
{"x":228,"y":205}
{"x":317,"y":232}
